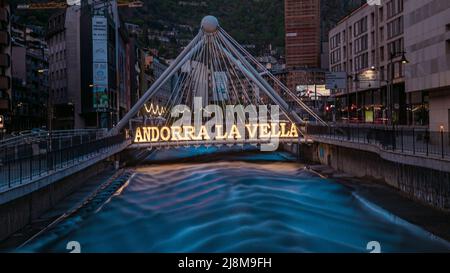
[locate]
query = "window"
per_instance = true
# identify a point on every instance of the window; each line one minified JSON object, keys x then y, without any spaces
{"x":399,"y":6}
{"x":335,"y":41}
{"x":395,"y":27}
{"x":362,"y":61}
{"x":360,"y":26}
{"x":394,"y":7}
{"x":395,"y":46}
{"x":361,"y":44}
{"x":335,"y":56}
{"x":373,"y":57}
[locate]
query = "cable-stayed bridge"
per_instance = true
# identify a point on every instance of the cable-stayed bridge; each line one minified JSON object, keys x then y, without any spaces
{"x":220,"y":97}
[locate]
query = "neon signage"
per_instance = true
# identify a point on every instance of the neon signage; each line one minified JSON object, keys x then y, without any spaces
{"x":235,"y":132}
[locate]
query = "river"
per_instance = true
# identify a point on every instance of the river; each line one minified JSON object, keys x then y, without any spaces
{"x":233,"y":202}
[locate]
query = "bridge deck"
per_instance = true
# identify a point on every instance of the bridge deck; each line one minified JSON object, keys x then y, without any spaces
{"x":174,"y":144}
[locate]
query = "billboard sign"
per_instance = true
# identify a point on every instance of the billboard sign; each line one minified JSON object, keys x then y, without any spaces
{"x":310,"y":91}
{"x":368,"y":79}
{"x":336,"y":80}
{"x":100,"y":63}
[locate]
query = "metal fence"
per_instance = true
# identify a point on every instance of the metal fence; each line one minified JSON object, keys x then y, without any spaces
{"x":19,"y":167}
{"x":32,"y":137}
{"x":37,"y":144}
{"x":415,"y":141}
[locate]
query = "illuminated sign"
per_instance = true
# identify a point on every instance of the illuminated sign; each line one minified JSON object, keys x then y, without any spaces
{"x":311,"y":91}
{"x":368,"y":79}
{"x":235,"y":132}
{"x":154,"y":109}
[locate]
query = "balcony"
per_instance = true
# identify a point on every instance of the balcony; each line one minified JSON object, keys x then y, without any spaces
{"x":4,"y":38}
{"x":5,"y":83}
{"x":5,"y":60}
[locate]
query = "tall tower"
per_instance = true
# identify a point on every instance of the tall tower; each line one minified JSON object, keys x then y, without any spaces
{"x":302,"y":26}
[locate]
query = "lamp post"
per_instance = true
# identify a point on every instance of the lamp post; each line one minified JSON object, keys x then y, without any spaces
{"x":390,"y":95}
{"x":349,"y":77}
{"x":356,"y":81}
{"x":441,"y":129}
{"x":96,"y":112}
{"x":49,"y":110}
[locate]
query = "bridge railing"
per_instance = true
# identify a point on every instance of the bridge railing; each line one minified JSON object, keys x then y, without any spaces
{"x":32,"y":137}
{"x":17,"y":170}
{"x":415,"y":141}
{"x":30,"y":144}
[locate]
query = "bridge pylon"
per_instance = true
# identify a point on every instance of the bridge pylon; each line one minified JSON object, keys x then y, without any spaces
{"x":216,"y":68}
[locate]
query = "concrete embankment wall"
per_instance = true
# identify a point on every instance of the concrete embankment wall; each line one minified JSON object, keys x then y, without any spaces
{"x":16,"y":214}
{"x":424,"y":184}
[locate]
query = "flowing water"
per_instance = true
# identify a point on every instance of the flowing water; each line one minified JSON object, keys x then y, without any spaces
{"x":247,"y":202}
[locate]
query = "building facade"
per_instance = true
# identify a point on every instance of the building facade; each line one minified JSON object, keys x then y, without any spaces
{"x":63,"y":39}
{"x":5,"y":65}
{"x":368,"y":45}
{"x":90,"y":66}
{"x":427,"y":42}
{"x":29,"y":78}
{"x":302,"y":27}
{"x":307,"y":23}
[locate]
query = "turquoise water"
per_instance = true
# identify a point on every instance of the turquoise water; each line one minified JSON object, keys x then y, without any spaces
{"x":248,"y":202}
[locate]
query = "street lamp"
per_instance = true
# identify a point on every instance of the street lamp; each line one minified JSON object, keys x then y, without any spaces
{"x":91,"y":85}
{"x":41,"y":72}
{"x":404,"y":60}
{"x":390,"y":96}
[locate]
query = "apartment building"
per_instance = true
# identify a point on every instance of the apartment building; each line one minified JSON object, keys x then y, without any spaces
{"x":427,"y":42}
{"x":29,"y":77}
{"x":63,"y":39}
{"x":90,"y":66}
{"x":368,"y":45}
{"x":302,"y":26}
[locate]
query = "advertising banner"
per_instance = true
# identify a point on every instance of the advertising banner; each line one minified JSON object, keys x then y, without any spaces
{"x":311,"y":91}
{"x":100,"y":63}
